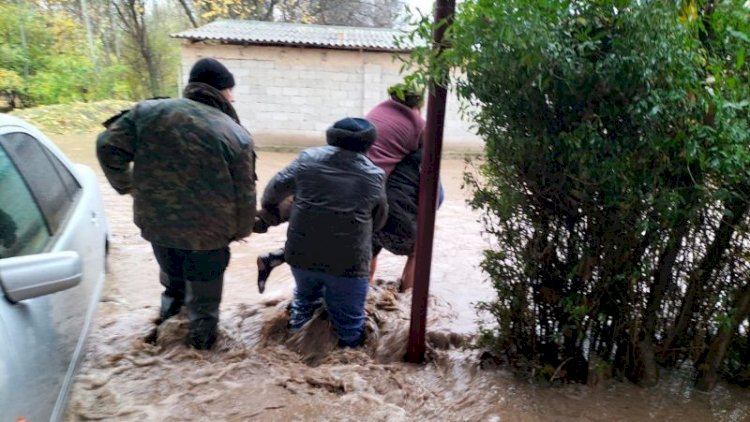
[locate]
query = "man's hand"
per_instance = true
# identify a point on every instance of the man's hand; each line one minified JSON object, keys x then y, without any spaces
{"x":260,"y":226}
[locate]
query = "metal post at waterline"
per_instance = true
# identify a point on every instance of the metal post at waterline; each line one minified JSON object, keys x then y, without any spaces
{"x":432,"y":147}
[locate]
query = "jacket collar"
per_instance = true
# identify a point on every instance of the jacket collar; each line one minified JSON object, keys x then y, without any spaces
{"x":210,"y":96}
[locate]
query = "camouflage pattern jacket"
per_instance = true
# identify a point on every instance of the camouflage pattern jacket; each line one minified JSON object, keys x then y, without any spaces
{"x":192,"y":175}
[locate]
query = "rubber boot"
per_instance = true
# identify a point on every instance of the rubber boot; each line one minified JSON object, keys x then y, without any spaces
{"x":172,"y":298}
{"x":203,"y":300}
{"x":266,"y":264}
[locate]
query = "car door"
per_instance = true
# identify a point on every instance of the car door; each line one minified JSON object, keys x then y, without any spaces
{"x":54,"y":206}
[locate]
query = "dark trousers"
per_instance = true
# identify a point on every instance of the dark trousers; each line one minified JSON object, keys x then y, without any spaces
{"x":195,"y":279}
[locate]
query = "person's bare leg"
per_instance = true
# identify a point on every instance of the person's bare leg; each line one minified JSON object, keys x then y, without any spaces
{"x":373,"y":267}
{"x":407,"y":276}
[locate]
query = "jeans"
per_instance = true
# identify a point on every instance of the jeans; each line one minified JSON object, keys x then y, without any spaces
{"x":344,"y":297}
{"x":441,"y":194}
{"x":195,"y":278}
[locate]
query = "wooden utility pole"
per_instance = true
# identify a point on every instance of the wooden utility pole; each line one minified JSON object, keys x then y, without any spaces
{"x":432,"y":148}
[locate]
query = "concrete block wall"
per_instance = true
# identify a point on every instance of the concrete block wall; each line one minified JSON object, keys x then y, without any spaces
{"x":290,"y":95}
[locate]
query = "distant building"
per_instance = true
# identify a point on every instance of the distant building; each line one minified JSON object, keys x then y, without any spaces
{"x":294,"y":80}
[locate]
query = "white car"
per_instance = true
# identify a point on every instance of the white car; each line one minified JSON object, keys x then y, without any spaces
{"x":53,"y":243}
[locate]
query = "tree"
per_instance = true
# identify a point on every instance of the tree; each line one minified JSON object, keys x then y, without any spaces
{"x":25,"y":42}
{"x":89,"y":30}
{"x":373,"y":13}
{"x":79,"y":50}
{"x":189,"y":12}
{"x":132,"y":15}
{"x":30,"y":35}
{"x":370,"y":13}
{"x":234,"y":9}
{"x":723,"y":32}
{"x":614,"y":180}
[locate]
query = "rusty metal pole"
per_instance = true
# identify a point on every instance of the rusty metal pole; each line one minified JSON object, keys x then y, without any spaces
{"x":432,"y":148}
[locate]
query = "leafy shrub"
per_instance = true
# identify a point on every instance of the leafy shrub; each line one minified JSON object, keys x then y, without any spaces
{"x":615,"y":179}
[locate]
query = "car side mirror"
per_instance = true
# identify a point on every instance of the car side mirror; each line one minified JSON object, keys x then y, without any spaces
{"x":30,"y":276}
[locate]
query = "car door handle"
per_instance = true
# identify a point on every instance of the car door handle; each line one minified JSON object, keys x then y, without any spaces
{"x":94,"y":218}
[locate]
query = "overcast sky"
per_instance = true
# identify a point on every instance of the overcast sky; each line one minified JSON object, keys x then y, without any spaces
{"x":424,"y":5}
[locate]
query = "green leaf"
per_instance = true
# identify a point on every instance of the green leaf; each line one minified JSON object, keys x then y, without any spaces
{"x":739,"y":35}
{"x":737,"y":105}
{"x":740,"y":59}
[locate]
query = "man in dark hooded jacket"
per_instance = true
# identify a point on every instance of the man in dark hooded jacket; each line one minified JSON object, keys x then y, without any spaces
{"x":339,"y":200}
{"x":190,"y":167}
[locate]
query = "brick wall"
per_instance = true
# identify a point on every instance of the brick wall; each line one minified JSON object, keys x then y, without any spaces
{"x":288,"y":95}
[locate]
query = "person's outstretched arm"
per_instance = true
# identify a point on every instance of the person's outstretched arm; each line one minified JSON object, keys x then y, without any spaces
{"x":114,"y":149}
{"x":281,"y":186}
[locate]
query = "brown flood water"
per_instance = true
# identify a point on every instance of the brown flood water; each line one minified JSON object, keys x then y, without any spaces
{"x":258,"y":372}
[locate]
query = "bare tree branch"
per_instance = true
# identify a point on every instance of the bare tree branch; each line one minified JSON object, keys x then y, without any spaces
{"x":189,"y":13}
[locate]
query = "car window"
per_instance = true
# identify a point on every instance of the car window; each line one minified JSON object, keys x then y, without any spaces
{"x":67,"y":179}
{"x":50,"y":183}
{"x":23,"y":230}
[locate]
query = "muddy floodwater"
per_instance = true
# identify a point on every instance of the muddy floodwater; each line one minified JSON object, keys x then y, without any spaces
{"x":258,"y":371}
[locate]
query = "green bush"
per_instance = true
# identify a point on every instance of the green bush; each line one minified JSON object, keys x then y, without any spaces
{"x":10,"y":82}
{"x":615,"y":179}
{"x":69,"y":78}
{"x":55,"y":65}
{"x":65,"y":79}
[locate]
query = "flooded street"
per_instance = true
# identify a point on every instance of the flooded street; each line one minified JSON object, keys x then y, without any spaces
{"x":257,"y":371}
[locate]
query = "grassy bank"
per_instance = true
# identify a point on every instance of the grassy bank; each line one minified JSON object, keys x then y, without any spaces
{"x":72,"y":118}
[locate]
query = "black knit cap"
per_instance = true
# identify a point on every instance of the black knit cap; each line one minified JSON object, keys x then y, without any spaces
{"x":352,"y":133}
{"x":211,"y":72}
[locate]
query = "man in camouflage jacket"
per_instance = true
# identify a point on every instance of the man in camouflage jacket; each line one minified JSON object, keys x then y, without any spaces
{"x":190,"y":167}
